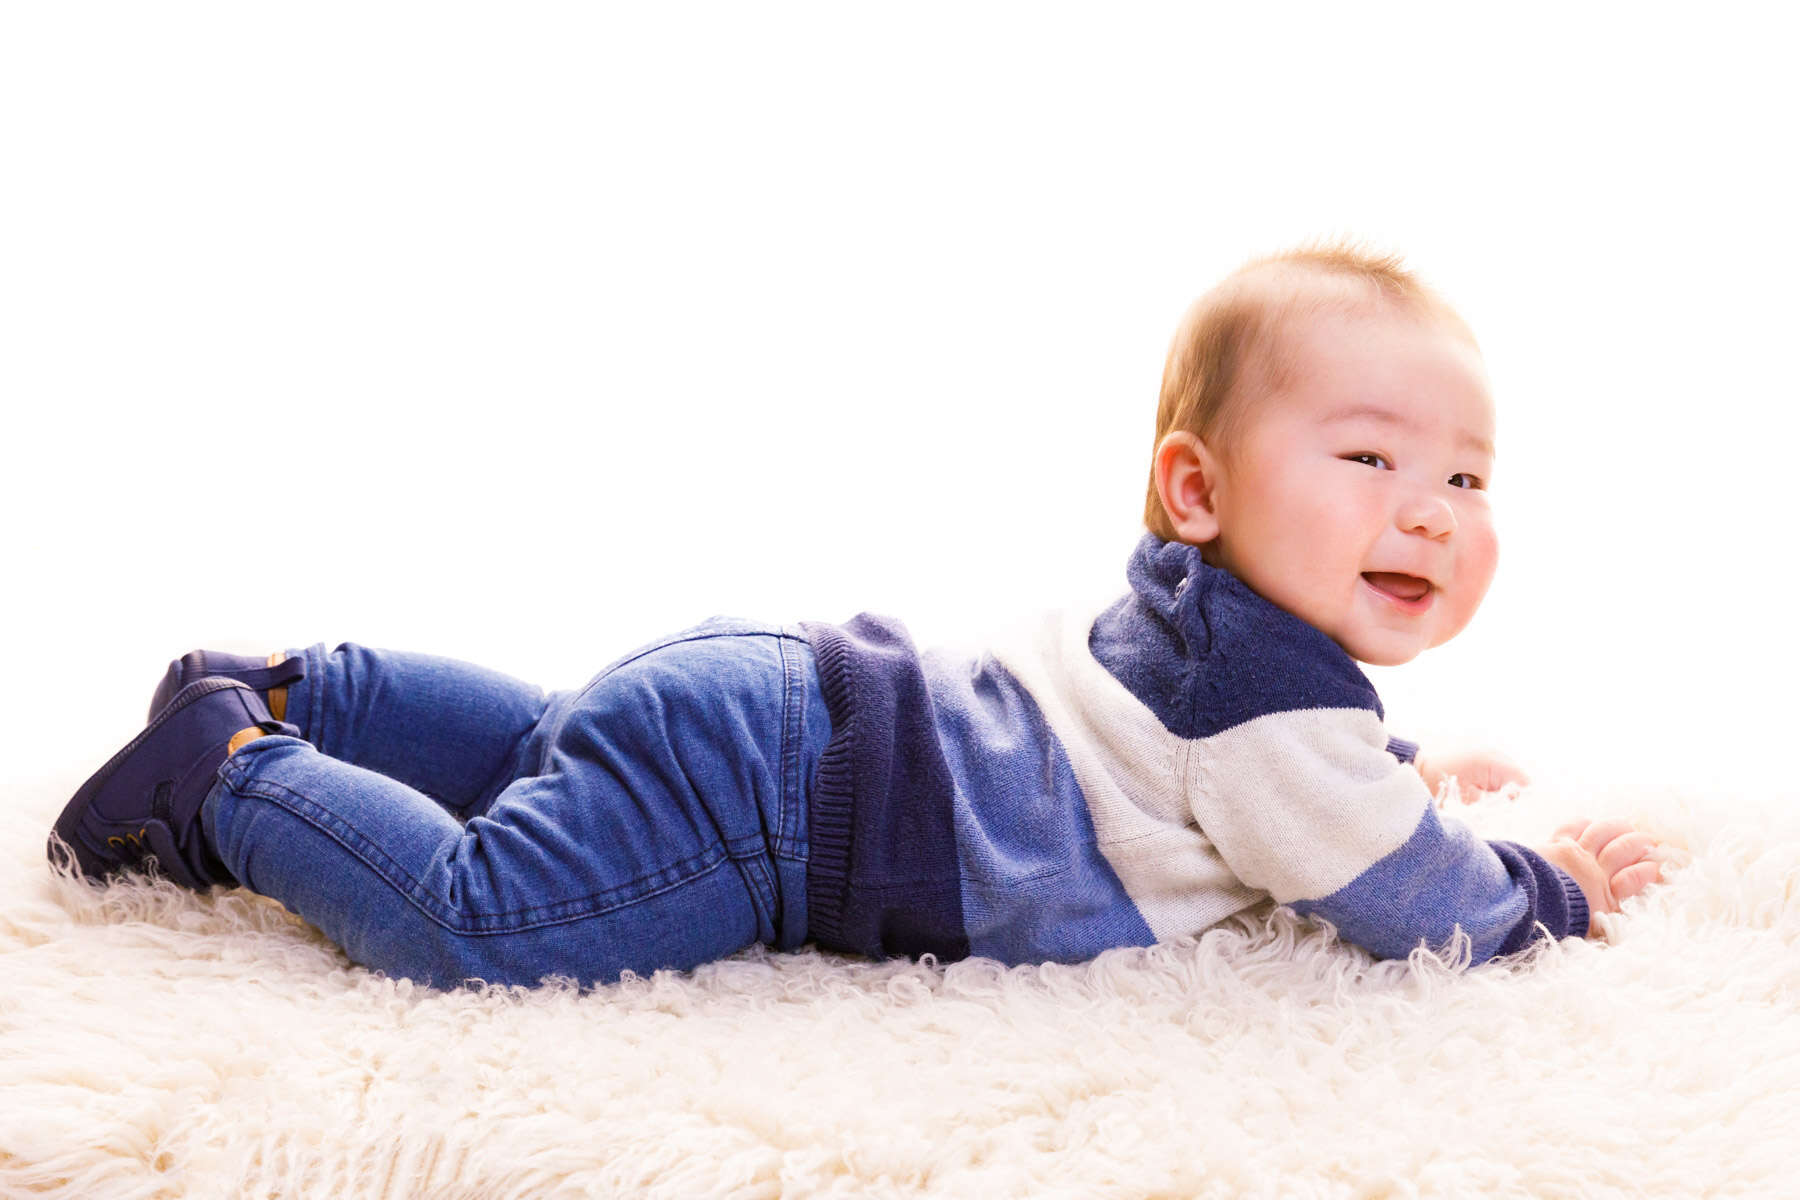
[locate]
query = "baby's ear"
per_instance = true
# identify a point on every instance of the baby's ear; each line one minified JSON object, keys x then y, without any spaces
{"x":1186,"y":476}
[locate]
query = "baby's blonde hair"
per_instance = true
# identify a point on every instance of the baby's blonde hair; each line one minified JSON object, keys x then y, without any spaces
{"x":1231,"y":335}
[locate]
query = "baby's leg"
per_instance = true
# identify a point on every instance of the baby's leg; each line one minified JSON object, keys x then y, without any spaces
{"x":666,"y":828}
{"x":452,"y":730}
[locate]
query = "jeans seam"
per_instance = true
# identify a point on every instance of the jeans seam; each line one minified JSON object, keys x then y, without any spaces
{"x":789,"y":681}
{"x":762,"y":888}
{"x":420,"y":898}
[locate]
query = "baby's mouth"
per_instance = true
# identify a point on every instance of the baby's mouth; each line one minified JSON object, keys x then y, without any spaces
{"x":1402,"y":587}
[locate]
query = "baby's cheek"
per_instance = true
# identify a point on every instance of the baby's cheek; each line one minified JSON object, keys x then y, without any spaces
{"x":1479,"y":557}
{"x":1477,"y":554}
{"x":1489,"y":548}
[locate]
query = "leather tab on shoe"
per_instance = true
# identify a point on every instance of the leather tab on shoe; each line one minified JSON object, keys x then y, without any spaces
{"x":243,"y":737}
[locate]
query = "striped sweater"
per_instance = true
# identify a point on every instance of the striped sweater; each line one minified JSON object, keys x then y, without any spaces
{"x":1134,"y":777}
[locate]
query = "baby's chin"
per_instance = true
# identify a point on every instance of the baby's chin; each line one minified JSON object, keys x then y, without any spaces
{"x":1395,"y":647}
{"x":1395,"y":651}
{"x":1374,"y":654}
{"x":1383,"y":660}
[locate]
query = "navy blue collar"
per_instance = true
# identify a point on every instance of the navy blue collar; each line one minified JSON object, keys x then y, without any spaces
{"x":1204,"y":651}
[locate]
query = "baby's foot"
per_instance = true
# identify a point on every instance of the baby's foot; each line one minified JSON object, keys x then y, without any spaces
{"x":144,"y":804}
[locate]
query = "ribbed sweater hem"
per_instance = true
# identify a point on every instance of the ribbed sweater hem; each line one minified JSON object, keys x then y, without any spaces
{"x":832,"y":807}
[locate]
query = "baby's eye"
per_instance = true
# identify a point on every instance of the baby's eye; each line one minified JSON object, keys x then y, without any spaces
{"x":1373,"y":460}
{"x":1472,"y":482}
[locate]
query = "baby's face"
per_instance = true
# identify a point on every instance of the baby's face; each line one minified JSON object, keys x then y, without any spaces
{"x":1355,"y":497}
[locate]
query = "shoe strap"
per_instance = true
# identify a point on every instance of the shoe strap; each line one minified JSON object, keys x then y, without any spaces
{"x":264,"y":678}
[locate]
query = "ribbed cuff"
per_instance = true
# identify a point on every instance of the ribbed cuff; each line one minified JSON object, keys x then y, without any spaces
{"x":1402,"y":749}
{"x":1579,"y":916}
{"x":1552,"y":897}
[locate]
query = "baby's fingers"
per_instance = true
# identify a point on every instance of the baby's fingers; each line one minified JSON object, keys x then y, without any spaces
{"x":1600,"y":834}
{"x":1624,"y":851}
{"x":1572,"y":829}
{"x":1634,"y":879}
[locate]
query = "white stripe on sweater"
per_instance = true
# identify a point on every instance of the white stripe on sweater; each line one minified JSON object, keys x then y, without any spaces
{"x":1301,"y":803}
{"x":1131,"y":773}
{"x":1293,"y":804}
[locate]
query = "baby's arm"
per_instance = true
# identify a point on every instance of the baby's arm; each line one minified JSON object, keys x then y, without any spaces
{"x":1315,"y":808}
{"x":1609,"y":859}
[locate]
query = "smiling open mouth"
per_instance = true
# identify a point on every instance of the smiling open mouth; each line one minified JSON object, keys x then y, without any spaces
{"x":1409,"y":588}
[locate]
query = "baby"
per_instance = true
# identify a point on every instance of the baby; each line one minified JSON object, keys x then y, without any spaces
{"x":1318,"y":497}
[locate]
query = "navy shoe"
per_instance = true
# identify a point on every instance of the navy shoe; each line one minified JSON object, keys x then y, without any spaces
{"x":145,"y":802}
{"x":204,"y":664}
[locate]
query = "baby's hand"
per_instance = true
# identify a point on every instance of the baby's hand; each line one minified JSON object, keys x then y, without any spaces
{"x":1478,"y":773}
{"x":1609,"y":859}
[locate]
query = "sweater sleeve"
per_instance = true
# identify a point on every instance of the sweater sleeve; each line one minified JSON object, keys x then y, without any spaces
{"x":1312,"y":806}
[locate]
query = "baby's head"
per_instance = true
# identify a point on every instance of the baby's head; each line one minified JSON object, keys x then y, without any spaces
{"x":1325,"y":434}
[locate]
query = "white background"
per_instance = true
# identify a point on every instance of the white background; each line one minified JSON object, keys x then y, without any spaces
{"x":525,"y":333}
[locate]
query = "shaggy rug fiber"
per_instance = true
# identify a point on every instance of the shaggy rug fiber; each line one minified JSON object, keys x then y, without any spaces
{"x":154,"y":1043}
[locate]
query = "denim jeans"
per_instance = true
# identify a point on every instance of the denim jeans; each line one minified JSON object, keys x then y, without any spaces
{"x":446,"y":823}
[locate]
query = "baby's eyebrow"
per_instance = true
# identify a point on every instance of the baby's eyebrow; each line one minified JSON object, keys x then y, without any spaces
{"x":1387,"y":416}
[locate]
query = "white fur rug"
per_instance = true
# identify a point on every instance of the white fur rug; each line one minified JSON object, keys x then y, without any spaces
{"x":158,"y":1044}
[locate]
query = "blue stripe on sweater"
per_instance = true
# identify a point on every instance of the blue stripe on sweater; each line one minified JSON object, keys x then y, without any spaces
{"x":1435,"y":880}
{"x":1035,"y":887}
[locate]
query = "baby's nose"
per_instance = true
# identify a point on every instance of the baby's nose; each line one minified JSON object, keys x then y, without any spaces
{"x":1429,"y":515}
